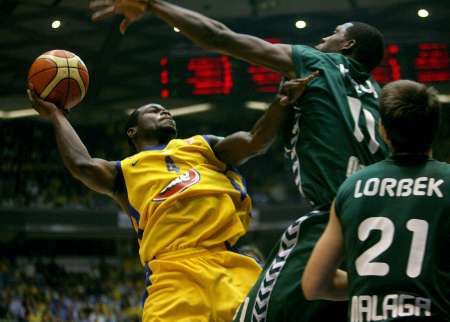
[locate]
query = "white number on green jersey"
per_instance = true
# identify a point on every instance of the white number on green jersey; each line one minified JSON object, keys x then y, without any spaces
{"x":355,"y":109}
{"x":365,"y":266}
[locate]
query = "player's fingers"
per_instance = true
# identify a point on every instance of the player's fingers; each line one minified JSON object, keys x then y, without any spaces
{"x":299,"y":82}
{"x":293,"y":84}
{"x":100,"y":4}
{"x":35,"y":97}
{"x":30,"y":96}
{"x":311,"y":76}
{"x":131,"y":9}
{"x":103,"y":13}
{"x":124,"y":25}
{"x":31,"y":93}
{"x":284,"y":100}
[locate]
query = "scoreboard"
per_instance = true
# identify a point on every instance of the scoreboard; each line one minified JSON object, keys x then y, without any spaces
{"x":220,"y":75}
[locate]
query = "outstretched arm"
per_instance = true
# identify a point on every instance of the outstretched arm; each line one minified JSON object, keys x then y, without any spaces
{"x":238,"y":147}
{"x":205,"y":32}
{"x":96,"y":174}
{"x":322,"y":279}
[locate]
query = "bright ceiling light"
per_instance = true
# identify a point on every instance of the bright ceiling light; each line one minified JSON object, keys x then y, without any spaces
{"x":444,"y":98}
{"x":192,"y":109}
{"x":423,"y":13}
{"x":56,"y":24}
{"x":176,"y":29}
{"x":257,"y":105}
{"x":18,"y":113}
{"x":300,"y":24}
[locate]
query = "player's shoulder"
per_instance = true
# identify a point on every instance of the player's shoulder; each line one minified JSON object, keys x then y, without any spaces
{"x":306,"y":57}
{"x":212,"y":139}
{"x":439,"y":167}
{"x":208,"y":140}
{"x":311,"y":52}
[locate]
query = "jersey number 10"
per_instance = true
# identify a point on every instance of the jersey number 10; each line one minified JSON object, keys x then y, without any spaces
{"x":365,"y":266}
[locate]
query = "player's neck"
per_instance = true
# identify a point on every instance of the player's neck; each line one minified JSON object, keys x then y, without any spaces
{"x":428,"y":154}
{"x":144,"y":144}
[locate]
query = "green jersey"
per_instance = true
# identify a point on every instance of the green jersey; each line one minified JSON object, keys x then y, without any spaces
{"x":395,"y":220}
{"x":336,"y":127}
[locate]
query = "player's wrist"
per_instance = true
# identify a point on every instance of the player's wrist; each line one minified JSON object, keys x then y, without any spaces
{"x":56,"y":113}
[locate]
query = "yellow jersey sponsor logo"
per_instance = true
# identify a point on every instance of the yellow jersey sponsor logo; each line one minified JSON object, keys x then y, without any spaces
{"x":179,"y":184}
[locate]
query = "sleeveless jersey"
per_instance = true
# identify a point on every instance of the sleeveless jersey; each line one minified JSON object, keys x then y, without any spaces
{"x":395,"y":220}
{"x":182,"y":196}
{"x":335,"y":128}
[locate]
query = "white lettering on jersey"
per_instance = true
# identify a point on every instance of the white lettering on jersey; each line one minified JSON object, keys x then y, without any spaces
{"x":390,"y":187}
{"x":365,"y":308}
{"x":367,"y":87}
{"x":353,"y":165}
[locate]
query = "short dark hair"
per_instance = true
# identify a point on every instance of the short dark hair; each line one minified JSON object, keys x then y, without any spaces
{"x":131,"y":121}
{"x":410,"y":113}
{"x":369,"y":46}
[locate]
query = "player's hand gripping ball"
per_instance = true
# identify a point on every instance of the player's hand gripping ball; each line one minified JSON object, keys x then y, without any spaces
{"x":59,"y":77}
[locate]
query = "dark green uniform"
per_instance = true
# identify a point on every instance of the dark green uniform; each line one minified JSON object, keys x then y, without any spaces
{"x":334,"y":133}
{"x":395,"y":218}
{"x":338,"y":123}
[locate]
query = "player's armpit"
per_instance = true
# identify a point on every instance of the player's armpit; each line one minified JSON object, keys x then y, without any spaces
{"x":237,"y":148}
{"x":98,"y":175}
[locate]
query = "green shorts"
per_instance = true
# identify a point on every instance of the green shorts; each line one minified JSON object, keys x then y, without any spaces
{"x":277,"y":295}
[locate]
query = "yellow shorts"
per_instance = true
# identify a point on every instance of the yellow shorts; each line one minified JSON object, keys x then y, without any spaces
{"x":197,"y":285}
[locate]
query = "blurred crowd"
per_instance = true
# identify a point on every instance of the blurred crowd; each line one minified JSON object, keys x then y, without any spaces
{"x":36,"y":291}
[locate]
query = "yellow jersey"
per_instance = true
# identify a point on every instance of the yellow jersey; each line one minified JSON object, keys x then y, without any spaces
{"x":182,"y":196}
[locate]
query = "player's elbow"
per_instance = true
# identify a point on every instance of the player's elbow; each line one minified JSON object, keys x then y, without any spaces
{"x":310,"y":293}
{"x":83,"y":169}
{"x":260,"y":143}
{"x":311,"y":285}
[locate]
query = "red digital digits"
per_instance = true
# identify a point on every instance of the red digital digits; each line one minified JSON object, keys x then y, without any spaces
{"x":164,"y":77}
{"x":432,"y":63}
{"x":389,"y":69}
{"x":210,"y":75}
{"x":266,"y":80}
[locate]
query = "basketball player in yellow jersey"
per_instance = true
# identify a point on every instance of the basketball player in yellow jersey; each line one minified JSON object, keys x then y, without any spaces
{"x":185,"y":201}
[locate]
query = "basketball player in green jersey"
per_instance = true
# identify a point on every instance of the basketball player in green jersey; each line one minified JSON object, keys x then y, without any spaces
{"x":334,"y":130}
{"x":391,"y":223}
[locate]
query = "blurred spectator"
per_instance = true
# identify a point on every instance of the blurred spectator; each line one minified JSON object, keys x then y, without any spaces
{"x":61,"y":296}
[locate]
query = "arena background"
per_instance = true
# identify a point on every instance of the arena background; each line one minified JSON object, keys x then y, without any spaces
{"x":68,"y":254}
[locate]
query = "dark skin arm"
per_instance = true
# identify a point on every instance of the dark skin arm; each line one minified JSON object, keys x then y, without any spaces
{"x":96,"y":174}
{"x":203,"y":31}
{"x":237,"y":148}
{"x":322,"y":279}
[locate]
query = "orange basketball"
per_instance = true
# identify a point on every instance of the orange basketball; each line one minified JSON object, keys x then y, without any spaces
{"x":60,"y":77}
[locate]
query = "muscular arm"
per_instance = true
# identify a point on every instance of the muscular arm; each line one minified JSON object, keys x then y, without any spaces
{"x":205,"y":32}
{"x":96,"y":174}
{"x":238,"y":147}
{"x":322,"y":279}
{"x":235,"y":149}
{"x":213,"y":35}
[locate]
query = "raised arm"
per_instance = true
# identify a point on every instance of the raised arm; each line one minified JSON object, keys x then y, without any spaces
{"x":205,"y":32}
{"x":238,"y":147}
{"x":322,"y":279}
{"x":96,"y":174}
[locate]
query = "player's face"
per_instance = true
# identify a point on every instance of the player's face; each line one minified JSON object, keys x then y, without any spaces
{"x":155,"y":119}
{"x":335,"y":42}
